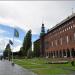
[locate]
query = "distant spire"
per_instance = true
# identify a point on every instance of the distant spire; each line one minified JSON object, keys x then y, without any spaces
{"x":43,"y":20}
{"x":43,"y":23}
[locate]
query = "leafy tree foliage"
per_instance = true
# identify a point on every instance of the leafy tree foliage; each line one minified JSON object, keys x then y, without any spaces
{"x":27,"y":43}
{"x":21,"y":53}
{"x":7,"y":51}
{"x":37,"y":48}
{"x":29,"y":53}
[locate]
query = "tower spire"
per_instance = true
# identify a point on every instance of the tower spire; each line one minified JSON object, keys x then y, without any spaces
{"x":42,"y":29}
{"x":43,"y":20}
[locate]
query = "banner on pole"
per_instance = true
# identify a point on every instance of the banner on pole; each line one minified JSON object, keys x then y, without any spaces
{"x":10,"y":42}
{"x":16,"y":33}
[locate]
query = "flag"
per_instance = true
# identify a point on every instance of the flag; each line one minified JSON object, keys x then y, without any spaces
{"x":10,"y":42}
{"x":16,"y":33}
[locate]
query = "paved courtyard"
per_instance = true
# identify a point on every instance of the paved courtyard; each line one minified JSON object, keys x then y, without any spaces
{"x":7,"y":69}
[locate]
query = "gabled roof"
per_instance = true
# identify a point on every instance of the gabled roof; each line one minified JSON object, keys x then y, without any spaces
{"x":37,"y":40}
{"x":65,"y":20}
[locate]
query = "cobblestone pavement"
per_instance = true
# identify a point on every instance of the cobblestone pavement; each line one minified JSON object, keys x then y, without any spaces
{"x":7,"y":69}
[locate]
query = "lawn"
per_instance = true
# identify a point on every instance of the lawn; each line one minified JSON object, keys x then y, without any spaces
{"x":39,"y":66}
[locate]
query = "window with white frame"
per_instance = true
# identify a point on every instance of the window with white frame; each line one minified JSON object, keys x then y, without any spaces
{"x":65,"y":29}
{"x":67,"y":39}
{"x":52,"y":43}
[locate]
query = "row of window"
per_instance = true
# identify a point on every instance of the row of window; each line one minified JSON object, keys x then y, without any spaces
{"x":66,"y":29}
{"x":61,"y":41}
{"x":61,"y":53}
{"x":62,"y":29}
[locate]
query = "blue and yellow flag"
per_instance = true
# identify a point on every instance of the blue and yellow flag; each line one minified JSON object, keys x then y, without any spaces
{"x":16,"y":33}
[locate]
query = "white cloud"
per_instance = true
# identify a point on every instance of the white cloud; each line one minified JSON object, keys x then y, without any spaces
{"x":2,"y":31}
{"x":3,"y":43}
{"x":29,"y":14}
{"x":16,"y":49}
{"x":15,"y":39}
{"x":5,"y":40}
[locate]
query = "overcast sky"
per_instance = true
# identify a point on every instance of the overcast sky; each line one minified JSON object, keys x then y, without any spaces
{"x":30,"y":14}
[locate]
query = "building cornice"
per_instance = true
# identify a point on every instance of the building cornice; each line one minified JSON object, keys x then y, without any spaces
{"x":62,"y":22}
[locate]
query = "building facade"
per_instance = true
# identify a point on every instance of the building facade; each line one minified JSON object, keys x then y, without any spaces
{"x":59,"y":41}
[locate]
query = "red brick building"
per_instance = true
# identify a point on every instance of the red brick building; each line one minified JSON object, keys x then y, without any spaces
{"x":59,"y":41}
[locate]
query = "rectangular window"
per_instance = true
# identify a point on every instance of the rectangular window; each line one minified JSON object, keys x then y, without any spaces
{"x":67,"y":39}
{"x":52,"y":44}
{"x":64,"y":40}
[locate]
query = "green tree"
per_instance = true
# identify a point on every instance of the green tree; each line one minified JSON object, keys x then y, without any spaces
{"x":7,"y":52}
{"x":21,"y":53}
{"x":29,"y":53}
{"x":27,"y":43}
{"x":37,"y":48}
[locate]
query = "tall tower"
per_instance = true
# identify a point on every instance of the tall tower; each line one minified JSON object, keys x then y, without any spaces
{"x":42,"y":50}
{"x":42,"y":30}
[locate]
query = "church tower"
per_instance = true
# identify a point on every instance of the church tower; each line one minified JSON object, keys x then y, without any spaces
{"x":42,"y":50}
{"x":42,"y":30}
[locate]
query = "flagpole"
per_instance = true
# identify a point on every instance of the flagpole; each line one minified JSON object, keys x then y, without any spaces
{"x":12,"y":49}
{"x":16,"y":34}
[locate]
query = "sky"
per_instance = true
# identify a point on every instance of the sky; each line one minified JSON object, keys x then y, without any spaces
{"x":25,"y":15}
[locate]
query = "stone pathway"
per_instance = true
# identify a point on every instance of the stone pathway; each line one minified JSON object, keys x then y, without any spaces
{"x":7,"y":69}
